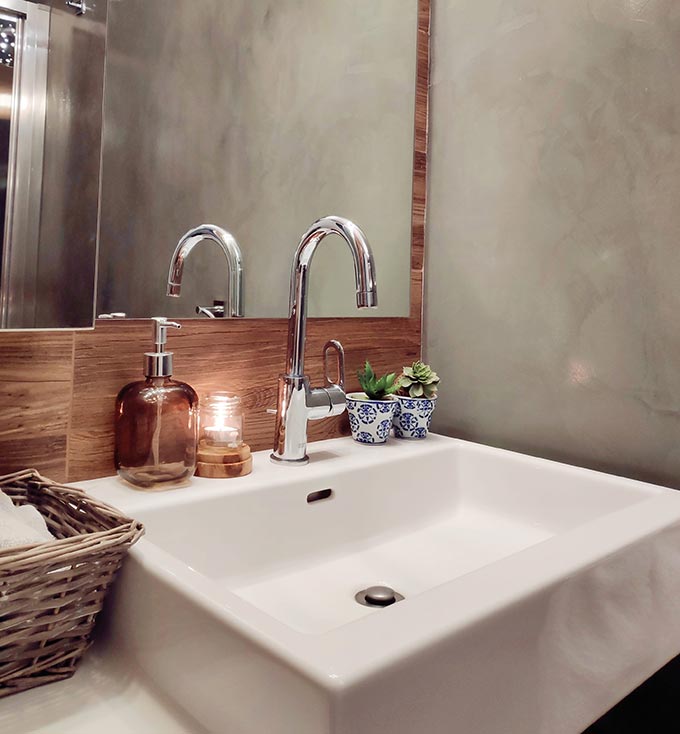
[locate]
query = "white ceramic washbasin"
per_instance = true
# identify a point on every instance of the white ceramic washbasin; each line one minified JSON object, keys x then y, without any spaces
{"x":536,"y":595}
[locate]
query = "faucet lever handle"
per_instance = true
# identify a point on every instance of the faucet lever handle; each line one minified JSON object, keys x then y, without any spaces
{"x":334,"y":345}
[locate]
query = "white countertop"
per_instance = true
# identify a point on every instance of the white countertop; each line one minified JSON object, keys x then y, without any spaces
{"x":574,"y":608}
{"x":102,"y":697}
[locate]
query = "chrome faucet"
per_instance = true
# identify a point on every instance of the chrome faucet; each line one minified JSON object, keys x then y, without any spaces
{"x":231,"y":251}
{"x":297,"y":401}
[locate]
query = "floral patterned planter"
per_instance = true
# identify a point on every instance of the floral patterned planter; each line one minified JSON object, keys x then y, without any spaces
{"x":370,"y":420}
{"x":413,"y":416}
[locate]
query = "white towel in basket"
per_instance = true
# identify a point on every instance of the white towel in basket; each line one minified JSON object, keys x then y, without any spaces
{"x":21,"y":525}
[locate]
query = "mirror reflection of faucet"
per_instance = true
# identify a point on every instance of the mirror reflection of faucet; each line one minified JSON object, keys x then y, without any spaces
{"x":232,"y":252}
{"x":299,"y":403}
{"x":216,"y":311}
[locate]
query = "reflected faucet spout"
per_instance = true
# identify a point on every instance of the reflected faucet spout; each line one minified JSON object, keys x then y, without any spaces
{"x":299,"y":403}
{"x":364,"y":275}
{"x":232,"y":252}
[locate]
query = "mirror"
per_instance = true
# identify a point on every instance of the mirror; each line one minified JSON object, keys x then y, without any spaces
{"x":257,"y":117}
{"x":51,"y":83}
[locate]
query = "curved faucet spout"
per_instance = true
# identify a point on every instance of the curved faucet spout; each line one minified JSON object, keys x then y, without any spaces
{"x":231,"y":251}
{"x":364,"y":275}
{"x":298,"y":402}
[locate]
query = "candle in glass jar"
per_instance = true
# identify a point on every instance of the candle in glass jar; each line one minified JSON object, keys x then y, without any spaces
{"x":222,"y":454}
{"x":221,"y":435}
{"x":222,"y":420}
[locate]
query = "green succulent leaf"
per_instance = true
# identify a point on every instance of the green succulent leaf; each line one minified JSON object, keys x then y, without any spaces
{"x":418,"y":380}
{"x":377,"y":388}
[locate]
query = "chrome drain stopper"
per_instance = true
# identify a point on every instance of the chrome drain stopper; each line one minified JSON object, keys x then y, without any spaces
{"x":378,"y":596}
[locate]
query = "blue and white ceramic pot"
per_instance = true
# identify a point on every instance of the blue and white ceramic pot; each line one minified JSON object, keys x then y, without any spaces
{"x":413,"y":416}
{"x":370,"y":420}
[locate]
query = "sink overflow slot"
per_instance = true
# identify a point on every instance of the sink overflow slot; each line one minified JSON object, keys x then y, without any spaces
{"x":320,"y":494}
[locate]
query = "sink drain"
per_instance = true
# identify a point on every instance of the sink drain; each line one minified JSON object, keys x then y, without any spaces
{"x":378,"y":596}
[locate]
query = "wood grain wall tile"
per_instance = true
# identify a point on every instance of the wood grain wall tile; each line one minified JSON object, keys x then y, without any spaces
{"x":36,"y":371}
{"x":241,"y":356}
{"x":420,"y":152}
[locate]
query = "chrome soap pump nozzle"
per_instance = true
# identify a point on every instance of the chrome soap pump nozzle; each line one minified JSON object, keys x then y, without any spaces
{"x":159,"y":362}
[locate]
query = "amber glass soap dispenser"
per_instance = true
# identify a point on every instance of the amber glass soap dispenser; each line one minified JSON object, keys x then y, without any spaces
{"x":156,"y":421}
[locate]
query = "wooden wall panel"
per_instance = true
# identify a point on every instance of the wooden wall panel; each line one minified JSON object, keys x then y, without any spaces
{"x":241,"y":356}
{"x":36,"y":371}
{"x":58,"y":388}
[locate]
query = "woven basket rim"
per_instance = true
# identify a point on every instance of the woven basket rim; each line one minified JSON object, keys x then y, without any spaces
{"x":124,"y":529}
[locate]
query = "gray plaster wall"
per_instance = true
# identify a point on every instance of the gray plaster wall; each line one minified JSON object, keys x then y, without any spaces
{"x":553,"y":251}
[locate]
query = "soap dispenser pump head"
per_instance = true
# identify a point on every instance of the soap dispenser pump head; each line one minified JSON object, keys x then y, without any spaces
{"x":159,"y":362}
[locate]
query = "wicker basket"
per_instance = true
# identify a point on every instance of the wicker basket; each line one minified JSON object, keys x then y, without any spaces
{"x":51,"y":593}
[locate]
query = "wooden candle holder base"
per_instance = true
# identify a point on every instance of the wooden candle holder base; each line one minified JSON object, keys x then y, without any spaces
{"x":223,"y":462}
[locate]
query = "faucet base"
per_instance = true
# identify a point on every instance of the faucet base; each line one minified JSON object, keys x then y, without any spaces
{"x":288,"y":462}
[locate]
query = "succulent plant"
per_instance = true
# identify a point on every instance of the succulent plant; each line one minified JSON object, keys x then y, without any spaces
{"x":377,"y":388}
{"x":418,"y":381}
